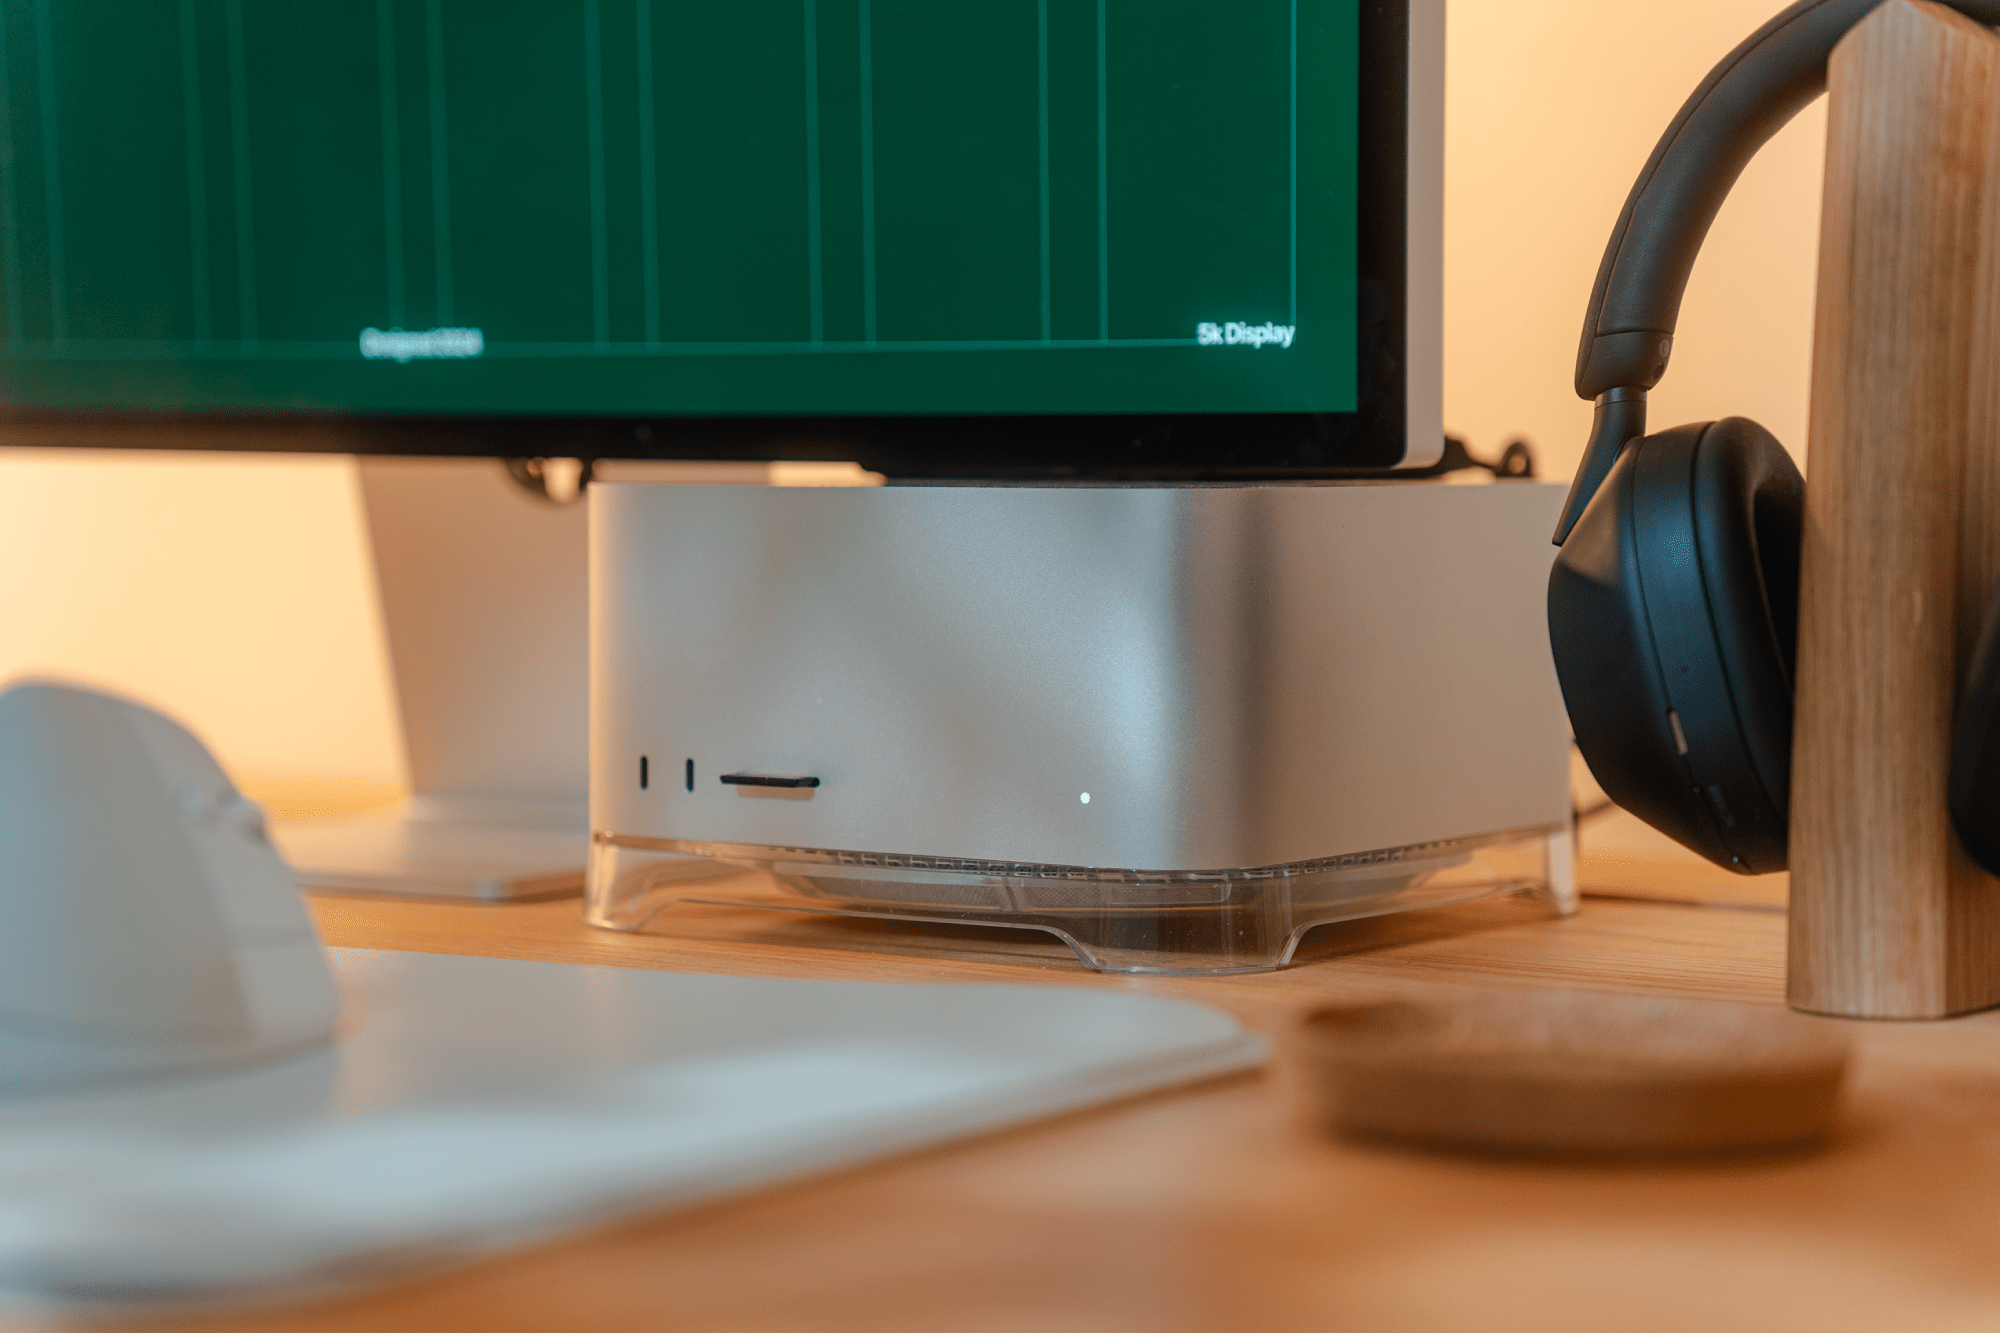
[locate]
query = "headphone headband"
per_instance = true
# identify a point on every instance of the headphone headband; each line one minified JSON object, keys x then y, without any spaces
{"x":1636,"y":301}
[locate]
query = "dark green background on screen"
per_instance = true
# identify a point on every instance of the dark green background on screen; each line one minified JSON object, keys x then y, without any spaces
{"x":763,"y":207}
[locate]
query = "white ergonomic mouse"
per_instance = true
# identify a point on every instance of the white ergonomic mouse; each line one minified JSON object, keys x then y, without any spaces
{"x":147,"y":927}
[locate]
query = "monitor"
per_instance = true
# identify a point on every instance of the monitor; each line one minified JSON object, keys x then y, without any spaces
{"x":991,"y":238}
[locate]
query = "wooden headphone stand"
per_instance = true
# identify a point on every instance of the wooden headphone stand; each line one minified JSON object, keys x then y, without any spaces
{"x":1901,"y":561}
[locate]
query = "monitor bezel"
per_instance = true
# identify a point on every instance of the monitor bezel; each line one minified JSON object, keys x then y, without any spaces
{"x":1398,"y":423}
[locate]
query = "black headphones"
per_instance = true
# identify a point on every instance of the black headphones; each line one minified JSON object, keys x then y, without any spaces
{"x":1673,"y":605}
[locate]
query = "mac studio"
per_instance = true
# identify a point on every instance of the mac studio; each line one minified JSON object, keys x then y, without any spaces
{"x":1115,"y":655}
{"x":1155,"y":637}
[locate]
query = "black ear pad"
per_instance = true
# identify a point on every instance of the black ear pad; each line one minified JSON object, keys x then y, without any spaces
{"x":1974,"y":793}
{"x":1673,"y":610}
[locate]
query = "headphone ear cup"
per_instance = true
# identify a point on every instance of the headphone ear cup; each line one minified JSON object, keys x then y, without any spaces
{"x":1749,"y":510}
{"x":1672,"y":617}
{"x":1974,"y":790}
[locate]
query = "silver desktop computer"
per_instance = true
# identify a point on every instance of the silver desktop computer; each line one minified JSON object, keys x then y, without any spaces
{"x":1158,"y":638}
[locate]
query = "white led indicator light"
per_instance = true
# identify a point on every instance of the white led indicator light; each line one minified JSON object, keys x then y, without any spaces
{"x":1085,"y":798}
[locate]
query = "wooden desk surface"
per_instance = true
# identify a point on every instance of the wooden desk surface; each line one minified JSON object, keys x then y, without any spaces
{"x":1215,"y":1208}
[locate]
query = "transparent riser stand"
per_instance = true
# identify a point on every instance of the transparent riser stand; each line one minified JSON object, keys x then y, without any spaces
{"x":1186,"y":923}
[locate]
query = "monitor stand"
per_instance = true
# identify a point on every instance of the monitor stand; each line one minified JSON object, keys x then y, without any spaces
{"x":485,"y":602}
{"x":485,"y":599}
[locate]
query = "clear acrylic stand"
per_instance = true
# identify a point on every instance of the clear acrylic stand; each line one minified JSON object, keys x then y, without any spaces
{"x":1184,"y":923}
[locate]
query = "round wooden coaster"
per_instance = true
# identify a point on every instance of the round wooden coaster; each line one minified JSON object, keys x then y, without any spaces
{"x":1567,"y":1073}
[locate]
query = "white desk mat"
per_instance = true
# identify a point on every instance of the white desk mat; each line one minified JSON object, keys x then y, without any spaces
{"x":477,"y":1103}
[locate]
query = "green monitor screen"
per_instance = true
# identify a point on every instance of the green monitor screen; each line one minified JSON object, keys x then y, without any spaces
{"x":962,"y":234}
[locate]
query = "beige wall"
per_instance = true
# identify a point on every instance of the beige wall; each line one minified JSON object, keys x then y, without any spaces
{"x":236,"y":592}
{"x":1545,"y":134}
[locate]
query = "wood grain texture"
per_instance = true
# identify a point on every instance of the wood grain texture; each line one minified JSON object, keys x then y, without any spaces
{"x":1887,"y":918}
{"x":1620,"y":858}
{"x":1217,"y":1211}
{"x":1219,"y":1208}
{"x":1496,"y":942}
{"x":1577,"y":1075}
